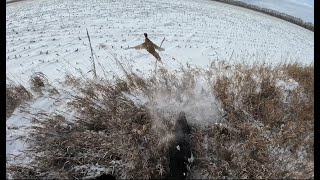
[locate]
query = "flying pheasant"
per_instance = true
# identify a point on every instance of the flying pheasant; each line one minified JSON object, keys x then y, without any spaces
{"x":150,"y":47}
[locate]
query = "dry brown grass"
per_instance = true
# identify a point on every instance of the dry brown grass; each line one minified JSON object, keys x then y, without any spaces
{"x":72,"y":81}
{"x":39,"y":84}
{"x":15,"y":95}
{"x":38,"y":81}
{"x":267,"y":131}
{"x":110,"y":131}
{"x":303,"y":75}
{"x":265,"y":137}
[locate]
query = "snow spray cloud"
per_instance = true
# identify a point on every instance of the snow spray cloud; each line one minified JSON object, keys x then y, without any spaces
{"x":193,"y":96}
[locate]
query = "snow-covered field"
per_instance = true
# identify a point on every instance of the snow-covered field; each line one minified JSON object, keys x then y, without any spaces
{"x":50,"y":37}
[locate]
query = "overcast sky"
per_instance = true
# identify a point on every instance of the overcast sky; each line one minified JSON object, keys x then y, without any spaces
{"x":302,"y":9}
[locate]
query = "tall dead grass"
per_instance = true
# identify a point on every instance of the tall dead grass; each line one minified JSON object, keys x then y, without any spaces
{"x":110,"y":132}
{"x":15,"y":96}
{"x":266,"y":136}
{"x":258,"y":127}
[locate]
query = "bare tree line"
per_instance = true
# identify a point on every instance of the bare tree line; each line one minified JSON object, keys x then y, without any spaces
{"x":286,"y":17}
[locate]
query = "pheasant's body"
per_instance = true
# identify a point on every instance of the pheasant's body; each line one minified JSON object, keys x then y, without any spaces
{"x":150,"y":47}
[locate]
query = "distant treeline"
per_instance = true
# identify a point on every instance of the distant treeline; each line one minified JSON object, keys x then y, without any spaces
{"x":286,"y":17}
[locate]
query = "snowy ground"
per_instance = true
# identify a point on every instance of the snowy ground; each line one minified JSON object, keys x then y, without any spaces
{"x":197,"y":33}
{"x":50,"y":37}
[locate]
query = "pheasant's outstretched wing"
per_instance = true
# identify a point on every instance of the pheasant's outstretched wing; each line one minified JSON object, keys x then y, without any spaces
{"x":140,"y":46}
